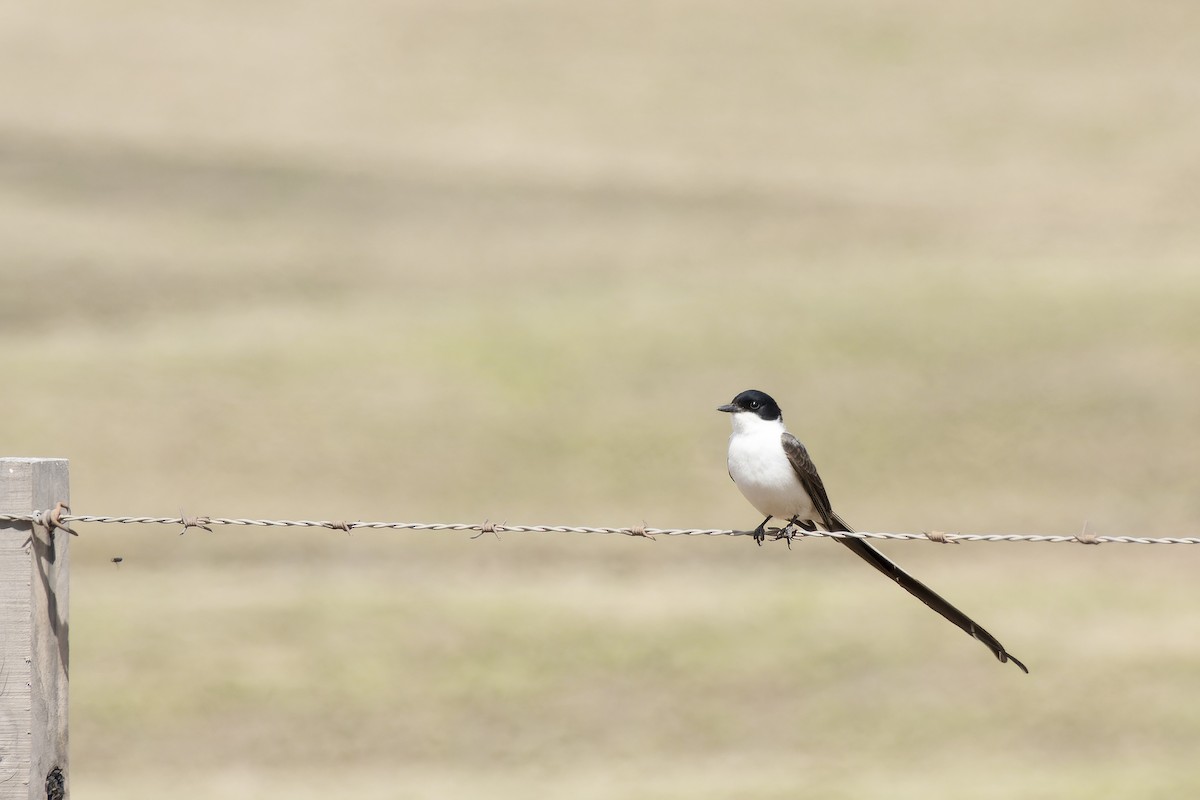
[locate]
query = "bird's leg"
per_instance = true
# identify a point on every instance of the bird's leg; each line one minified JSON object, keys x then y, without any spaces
{"x":760,"y":532}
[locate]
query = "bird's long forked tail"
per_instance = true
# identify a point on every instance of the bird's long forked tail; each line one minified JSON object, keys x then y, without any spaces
{"x":923,"y":593}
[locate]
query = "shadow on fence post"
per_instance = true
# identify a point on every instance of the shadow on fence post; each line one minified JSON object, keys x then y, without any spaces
{"x":34,"y":627}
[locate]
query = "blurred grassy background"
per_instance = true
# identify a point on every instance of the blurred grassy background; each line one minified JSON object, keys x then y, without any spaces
{"x":448,"y":262}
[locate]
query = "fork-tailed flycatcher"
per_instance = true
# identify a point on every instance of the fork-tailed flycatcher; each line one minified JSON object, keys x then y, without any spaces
{"x":772,"y":469}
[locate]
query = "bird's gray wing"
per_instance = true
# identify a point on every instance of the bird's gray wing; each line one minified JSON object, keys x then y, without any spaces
{"x":807,"y":473}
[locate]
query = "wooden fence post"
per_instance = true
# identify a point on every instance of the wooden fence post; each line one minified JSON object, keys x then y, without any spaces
{"x":34,"y":657}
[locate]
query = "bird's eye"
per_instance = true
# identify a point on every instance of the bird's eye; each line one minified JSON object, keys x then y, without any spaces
{"x":755,"y":404}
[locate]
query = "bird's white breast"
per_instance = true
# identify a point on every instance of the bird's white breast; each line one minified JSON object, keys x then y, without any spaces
{"x":762,"y":471}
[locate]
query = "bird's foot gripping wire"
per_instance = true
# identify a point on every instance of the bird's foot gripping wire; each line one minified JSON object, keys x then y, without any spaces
{"x":791,"y":530}
{"x":787,"y":533}
{"x":760,"y":533}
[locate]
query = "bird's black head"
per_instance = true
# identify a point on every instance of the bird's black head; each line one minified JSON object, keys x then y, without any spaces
{"x":754,"y":402}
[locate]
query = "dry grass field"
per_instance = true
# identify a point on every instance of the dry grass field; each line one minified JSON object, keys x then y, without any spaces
{"x":501,"y":260}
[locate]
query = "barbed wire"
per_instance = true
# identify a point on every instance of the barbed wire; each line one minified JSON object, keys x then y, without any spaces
{"x":55,"y":518}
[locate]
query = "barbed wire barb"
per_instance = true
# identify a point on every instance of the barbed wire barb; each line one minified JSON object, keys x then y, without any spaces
{"x":193,"y":522}
{"x":488,"y":527}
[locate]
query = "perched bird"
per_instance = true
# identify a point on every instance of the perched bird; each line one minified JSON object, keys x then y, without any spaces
{"x":773,"y":470}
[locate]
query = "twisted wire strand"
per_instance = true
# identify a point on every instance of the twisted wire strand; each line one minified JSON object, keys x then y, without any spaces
{"x":641,"y":531}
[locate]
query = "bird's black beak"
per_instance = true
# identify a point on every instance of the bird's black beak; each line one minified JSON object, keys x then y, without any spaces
{"x":728,"y":408}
